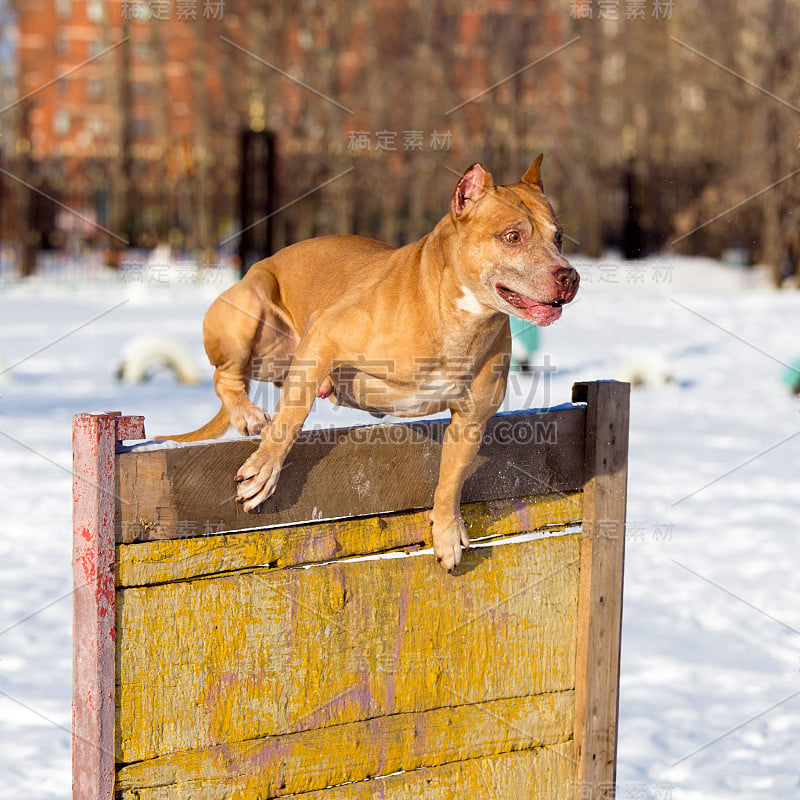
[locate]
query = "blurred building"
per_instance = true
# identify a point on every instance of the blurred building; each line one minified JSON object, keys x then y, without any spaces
{"x":132,"y":114}
{"x":122,"y":122}
{"x":190,"y":121}
{"x":8,"y":93}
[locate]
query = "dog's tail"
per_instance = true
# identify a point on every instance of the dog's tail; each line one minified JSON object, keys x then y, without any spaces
{"x":211,"y":430}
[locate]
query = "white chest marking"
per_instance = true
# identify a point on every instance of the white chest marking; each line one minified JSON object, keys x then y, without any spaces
{"x":468,"y":302}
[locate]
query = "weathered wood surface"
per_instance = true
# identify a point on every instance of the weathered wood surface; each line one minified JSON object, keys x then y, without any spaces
{"x":246,"y":667}
{"x":540,"y":773}
{"x":94,"y":440}
{"x":601,"y":573}
{"x":187,"y":491}
{"x":314,"y":759}
{"x":149,"y":563}
{"x":269,"y":652}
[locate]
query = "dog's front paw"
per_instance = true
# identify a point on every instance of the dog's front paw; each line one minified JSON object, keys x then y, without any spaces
{"x":448,"y":539}
{"x":257,"y":479}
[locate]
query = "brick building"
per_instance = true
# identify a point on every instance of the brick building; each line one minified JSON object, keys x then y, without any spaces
{"x":107,"y":122}
{"x":131,"y":113}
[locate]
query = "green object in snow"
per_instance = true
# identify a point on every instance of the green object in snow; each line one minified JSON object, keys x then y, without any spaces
{"x":524,"y":343}
{"x":791,"y":377}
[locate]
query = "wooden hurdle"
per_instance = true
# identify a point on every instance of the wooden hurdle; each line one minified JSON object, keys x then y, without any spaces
{"x":313,"y":650}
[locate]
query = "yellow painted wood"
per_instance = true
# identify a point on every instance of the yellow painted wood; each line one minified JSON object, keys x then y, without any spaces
{"x":538,"y":774}
{"x":310,"y":760}
{"x":163,"y":561}
{"x":251,"y":654}
{"x":249,"y":668}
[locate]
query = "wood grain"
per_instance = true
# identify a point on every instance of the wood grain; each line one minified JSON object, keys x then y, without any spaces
{"x":188,"y":491}
{"x":601,"y":573}
{"x":94,"y":440}
{"x":541,"y":773}
{"x":149,"y":563}
{"x":224,"y":659}
{"x":314,"y":759}
{"x":273,"y":655}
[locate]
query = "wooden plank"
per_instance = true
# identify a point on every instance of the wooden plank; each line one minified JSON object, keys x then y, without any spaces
{"x":541,"y":773}
{"x":600,"y":605}
{"x":246,"y":655}
{"x":149,"y":563}
{"x":315,"y":759}
{"x":94,"y":439}
{"x":178,"y":492}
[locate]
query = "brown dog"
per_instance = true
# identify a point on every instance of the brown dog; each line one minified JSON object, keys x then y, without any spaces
{"x":409,"y":331}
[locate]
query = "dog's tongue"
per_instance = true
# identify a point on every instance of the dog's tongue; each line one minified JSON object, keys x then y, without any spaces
{"x":538,"y":313}
{"x":542,"y":314}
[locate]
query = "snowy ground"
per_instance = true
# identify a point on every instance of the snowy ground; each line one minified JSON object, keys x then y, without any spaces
{"x":710,"y":700}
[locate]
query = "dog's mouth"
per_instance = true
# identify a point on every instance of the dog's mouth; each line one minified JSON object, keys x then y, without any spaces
{"x":533,"y":310}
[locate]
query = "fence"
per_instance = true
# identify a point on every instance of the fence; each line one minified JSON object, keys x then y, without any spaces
{"x":321,"y":653}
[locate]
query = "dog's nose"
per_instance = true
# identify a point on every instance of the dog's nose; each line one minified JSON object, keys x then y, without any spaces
{"x":567,"y":277}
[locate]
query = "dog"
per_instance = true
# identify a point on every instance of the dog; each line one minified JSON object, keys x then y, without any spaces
{"x":406,"y":331}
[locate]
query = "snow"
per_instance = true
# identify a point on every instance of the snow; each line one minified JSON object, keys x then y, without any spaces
{"x":710,"y":678}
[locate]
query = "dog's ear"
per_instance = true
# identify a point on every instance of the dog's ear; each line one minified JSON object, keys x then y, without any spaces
{"x":533,"y":177}
{"x":475,"y":181}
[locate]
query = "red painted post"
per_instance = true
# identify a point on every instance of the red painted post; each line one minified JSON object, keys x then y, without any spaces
{"x":94,"y":440}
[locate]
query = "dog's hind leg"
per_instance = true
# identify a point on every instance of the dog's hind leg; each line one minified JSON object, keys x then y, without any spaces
{"x":244,"y":333}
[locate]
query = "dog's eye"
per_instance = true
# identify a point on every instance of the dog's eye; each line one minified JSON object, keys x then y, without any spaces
{"x":513,"y":237}
{"x":560,"y":240}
